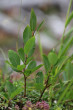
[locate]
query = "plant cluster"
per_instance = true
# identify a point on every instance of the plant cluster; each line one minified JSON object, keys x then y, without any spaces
{"x":51,"y":90}
{"x":39,"y":105}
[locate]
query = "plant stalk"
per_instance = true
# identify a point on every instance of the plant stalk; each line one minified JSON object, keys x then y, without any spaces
{"x":25,"y":86}
{"x":25,"y":78}
{"x":66,"y":19}
{"x":46,"y":86}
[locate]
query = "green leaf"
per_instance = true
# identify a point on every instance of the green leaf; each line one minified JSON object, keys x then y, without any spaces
{"x":52,"y":57}
{"x":61,"y":62}
{"x":37,"y":67}
{"x":21,"y":54}
{"x":20,"y":67}
{"x":31,"y":51}
{"x":32,"y":65}
{"x":69,"y":19}
{"x":14,"y":68}
{"x":4,"y":95}
{"x":9,"y":63}
{"x":58,"y":108}
{"x":39,"y":80}
{"x":29,"y":59}
{"x":16,"y":92}
{"x":71,"y":58}
{"x":28,"y":72}
{"x":65,"y":47}
{"x":14,"y":58}
{"x":10,"y":88}
{"x":40,"y":25}
{"x":33,"y":20}
{"x":68,"y":74}
{"x":69,"y":95}
{"x":65,"y":91}
{"x":69,"y":32}
{"x":29,"y":45}
{"x":27,"y":34}
{"x":46,"y":63}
